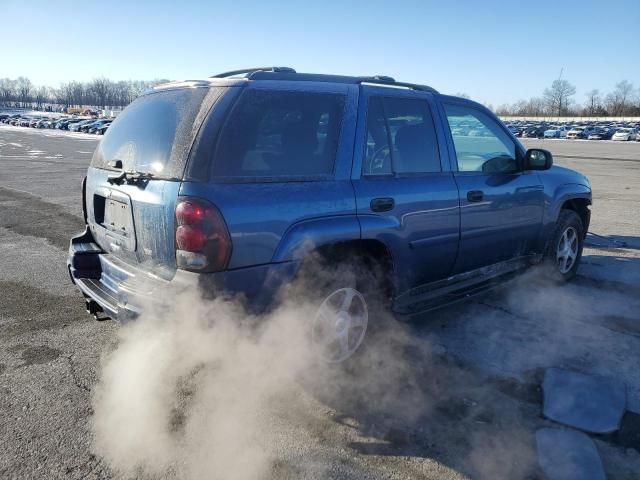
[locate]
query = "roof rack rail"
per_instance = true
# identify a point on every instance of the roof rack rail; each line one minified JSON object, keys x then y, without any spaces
{"x":384,"y":80}
{"x":249,"y":71}
{"x":286,"y":73}
{"x":380,"y":78}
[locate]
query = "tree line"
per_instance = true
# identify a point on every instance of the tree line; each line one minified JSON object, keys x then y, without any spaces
{"x":558,"y":100}
{"x":99,"y":92}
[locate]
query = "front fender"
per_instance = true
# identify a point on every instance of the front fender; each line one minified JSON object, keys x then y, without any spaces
{"x":561,"y":195}
{"x":554,"y":202}
{"x":303,"y":237}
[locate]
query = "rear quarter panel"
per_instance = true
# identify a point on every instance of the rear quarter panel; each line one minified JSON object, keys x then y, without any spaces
{"x":259,"y":216}
{"x":269,"y":221}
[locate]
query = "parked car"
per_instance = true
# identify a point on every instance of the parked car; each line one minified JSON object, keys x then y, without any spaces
{"x":85,"y":126}
{"x":307,"y":169}
{"x":42,"y":123}
{"x":518,"y":131}
{"x":76,"y":126}
{"x":625,"y":134}
{"x":102,"y":129}
{"x":97,"y":124}
{"x":556,"y":132}
{"x":534,"y":132}
{"x":579,"y":132}
{"x":599,"y":134}
{"x":49,"y":123}
{"x":64,"y":124}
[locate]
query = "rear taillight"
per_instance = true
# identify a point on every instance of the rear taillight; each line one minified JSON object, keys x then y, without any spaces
{"x":202,"y":238}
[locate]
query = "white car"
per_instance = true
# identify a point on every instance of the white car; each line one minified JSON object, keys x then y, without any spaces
{"x":577,"y":132}
{"x":625,"y":134}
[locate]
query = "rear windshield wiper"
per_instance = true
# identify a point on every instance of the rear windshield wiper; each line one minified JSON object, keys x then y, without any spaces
{"x":129,"y":177}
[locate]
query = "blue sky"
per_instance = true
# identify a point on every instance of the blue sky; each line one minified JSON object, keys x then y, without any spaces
{"x":495,"y":51}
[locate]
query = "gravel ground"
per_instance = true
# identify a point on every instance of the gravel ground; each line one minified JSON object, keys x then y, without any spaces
{"x":476,"y":367}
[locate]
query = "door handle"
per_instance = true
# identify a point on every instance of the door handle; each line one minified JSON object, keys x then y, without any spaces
{"x":475,"y":195}
{"x":382,"y":204}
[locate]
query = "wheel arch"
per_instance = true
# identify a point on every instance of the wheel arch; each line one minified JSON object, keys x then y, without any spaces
{"x":580,"y":205}
{"x":372,"y":254}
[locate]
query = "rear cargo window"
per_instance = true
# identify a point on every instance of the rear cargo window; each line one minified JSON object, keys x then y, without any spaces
{"x":154,"y":133}
{"x":280,"y":133}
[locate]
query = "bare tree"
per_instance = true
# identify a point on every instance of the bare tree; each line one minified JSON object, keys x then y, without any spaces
{"x":8,"y":90}
{"x":77,"y":93}
{"x":41,"y":97}
{"x":620,"y":99}
{"x":122,"y":94}
{"x":558,"y":97}
{"x":504,"y":109}
{"x":521,"y":107}
{"x":100,"y":88}
{"x":593,"y":101}
{"x":24,"y":90}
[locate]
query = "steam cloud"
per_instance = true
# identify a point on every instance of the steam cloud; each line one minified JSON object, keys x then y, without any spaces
{"x":198,"y":390}
{"x":193,"y":390}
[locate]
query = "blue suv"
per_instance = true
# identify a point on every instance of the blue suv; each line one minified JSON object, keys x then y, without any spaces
{"x":246,"y":180}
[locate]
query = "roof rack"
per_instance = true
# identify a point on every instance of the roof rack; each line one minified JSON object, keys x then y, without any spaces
{"x":249,"y":71}
{"x":384,"y":80}
{"x":286,"y":73}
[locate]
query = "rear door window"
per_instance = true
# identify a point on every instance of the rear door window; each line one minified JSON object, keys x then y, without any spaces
{"x":154,"y":133}
{"x":407,"y":126}
{"x":275,"y":133}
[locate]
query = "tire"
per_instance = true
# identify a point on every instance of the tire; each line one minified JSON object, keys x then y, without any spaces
{"x":564,"y":250}
{"x":346,"y":297}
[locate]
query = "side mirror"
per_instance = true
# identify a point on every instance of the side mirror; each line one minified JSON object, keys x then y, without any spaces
{"x":538,"y":159}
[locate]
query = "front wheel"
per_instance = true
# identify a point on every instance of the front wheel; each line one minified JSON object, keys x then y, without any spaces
{"x":565,"y":248}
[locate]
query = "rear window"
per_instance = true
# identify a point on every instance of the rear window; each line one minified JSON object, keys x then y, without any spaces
{"x":272,"y":133}
{"x":154,"y":133}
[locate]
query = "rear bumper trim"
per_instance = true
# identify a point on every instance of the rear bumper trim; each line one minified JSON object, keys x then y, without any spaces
{"x":121,"y":290}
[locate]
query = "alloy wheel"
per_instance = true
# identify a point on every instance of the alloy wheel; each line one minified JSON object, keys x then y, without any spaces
{"x":567,"y":251}
{"x":340,"y":325}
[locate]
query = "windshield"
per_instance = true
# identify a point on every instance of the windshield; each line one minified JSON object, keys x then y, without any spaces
{"x":154,"y":133}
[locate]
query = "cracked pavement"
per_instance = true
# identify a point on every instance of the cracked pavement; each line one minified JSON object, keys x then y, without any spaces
{"x":482,"y":380}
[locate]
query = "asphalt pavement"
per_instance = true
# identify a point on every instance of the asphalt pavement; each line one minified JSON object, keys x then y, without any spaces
{"x":477,"y":366}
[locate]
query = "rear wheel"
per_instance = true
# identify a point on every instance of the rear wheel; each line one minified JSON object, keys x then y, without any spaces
{"x":347,"y":295}
{"x":565,"y":248}
{"x":340,"y":325}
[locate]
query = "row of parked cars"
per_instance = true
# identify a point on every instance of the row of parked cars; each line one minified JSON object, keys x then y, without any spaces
{"x":586,"y":131}
{"x":74,"y":124}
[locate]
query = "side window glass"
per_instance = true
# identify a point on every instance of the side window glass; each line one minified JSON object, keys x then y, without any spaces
{"x":280,"y":133}
{"x":481,"y":144}
{"x":377,"y":155}
{"x":401,"y":137}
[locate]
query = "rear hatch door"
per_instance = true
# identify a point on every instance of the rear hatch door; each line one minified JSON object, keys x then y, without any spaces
{"x":135,"y":176}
